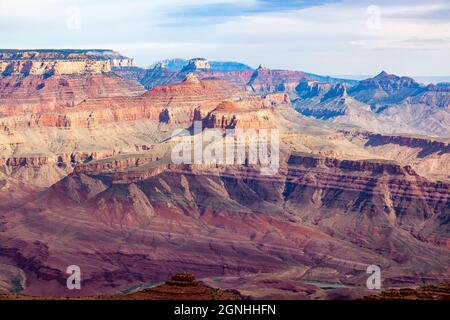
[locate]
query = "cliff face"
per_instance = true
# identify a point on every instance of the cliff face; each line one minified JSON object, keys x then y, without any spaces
{"x":53,"y":67}
{"x":60,"y":62}
{"x":34,"y":94}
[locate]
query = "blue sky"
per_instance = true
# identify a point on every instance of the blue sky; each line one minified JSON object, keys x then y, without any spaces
{"x":324,"y":36}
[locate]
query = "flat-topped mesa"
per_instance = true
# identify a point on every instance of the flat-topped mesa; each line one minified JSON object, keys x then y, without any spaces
{"x":59,"y":54}
{"x":196,"y":64}
{"x":60,"y":62}
{"x":53,"y":67}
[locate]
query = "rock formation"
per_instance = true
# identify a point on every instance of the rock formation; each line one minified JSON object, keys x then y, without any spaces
{"x":87,"y":175}
{"x":196,"y":64}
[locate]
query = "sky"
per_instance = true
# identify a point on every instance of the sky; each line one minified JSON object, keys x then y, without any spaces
{"x":330,"y":37}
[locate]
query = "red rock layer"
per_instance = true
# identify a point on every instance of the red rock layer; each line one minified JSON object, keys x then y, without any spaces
{"x":34,"y":94}
{"x":174,"y":103}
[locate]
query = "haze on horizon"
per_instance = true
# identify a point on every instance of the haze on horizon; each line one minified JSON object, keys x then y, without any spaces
{"x":332,"y":37}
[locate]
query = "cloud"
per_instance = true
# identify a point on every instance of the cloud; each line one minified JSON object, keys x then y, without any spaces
{"x":331,"y":37}
{"x":216,"y":13}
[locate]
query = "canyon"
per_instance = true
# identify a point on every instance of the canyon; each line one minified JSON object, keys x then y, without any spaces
{"x":385,"y":103}
{"x":87,"y":178}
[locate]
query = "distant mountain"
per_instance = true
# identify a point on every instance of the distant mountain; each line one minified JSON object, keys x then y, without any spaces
{"x":385,"y":88}
{"x":261,"y":80}
{"x":384,"y":103}
{"x":223,"y":66}
{"x":330,"y":79}
{"x":229,"y":66}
